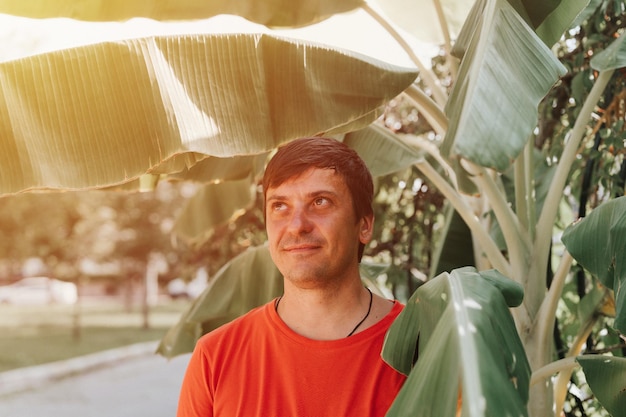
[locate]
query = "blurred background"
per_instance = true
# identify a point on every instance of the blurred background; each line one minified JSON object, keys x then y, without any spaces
{"x":68,"y":259}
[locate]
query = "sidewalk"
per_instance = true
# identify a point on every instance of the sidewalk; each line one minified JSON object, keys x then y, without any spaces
{"x":22,"y":379}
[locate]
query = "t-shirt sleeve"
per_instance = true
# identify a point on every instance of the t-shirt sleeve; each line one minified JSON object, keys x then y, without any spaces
{"x":196,"y":396}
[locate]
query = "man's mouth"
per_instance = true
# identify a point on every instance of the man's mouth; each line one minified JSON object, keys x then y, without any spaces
{"x":300,"y":247}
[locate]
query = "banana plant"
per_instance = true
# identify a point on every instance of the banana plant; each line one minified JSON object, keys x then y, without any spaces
{"x":483,"y":130}
{"x":486,"y":128}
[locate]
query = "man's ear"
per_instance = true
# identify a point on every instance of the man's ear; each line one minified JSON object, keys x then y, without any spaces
{"x":366,"y":228}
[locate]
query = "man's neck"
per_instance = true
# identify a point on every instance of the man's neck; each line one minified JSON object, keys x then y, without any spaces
{"x":330,"y":314}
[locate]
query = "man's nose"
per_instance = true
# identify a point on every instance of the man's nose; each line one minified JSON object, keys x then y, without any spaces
{"x":300,"y":221}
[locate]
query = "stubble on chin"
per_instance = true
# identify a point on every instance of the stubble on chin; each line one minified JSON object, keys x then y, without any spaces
{"x":305,"y":276}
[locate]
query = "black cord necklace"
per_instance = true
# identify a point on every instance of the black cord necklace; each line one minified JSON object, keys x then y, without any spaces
{"x":369,"y":309}
{"x":366,"y":316}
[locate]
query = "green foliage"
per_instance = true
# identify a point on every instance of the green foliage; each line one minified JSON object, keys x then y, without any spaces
{"x":246,"y":282}
{"x":407,"y":212}
{"x":460,"y":321}
{"x":606,"y":377}
{"x":598,"y":242}
{"x":64,"y":229}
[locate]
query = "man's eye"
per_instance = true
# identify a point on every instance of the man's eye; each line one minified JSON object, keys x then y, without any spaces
{"x":321,"y":201}
{"x":278,"y":206}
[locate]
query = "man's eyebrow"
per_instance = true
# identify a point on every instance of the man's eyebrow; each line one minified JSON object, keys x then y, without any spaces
{"x":275,"y":197}
{"x":312,"y":194}
{"x":322,"y":192}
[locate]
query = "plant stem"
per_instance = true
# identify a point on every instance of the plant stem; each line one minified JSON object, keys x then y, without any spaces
{"x":531,"y":199}
{"x":517,"y":241}
{"x":568,"y":364}
{"x":428,"y":108}
{"x":545,"y":224}
{"x":478,"y":232}
{"x":560,"y":386}
{"x":425,"y":74}
{"x":445,"y":30}
{"x":447,"y":41}
{"x":543,"y":325}
{"x":521,"y":191}
{"x":432,"y":149}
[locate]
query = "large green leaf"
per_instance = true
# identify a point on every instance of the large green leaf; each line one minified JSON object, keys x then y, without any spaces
{"x":105,"y":114}
{"x":382,"y":151}
{"x":212,"y":205}
{"x":550,"y":18}
{"x":213,"y":169}
{"x":598,"y":243}
{"x":459,"y":328}
{"x":247,"y":281}
{"x":455,"y":248}
{"x":229,"y":192}
{"x":613,"y":57}
{"x":505,"y":72}
{"x":269,"y":13}
{"x":562,"y":17}
{"x":606,"y":375}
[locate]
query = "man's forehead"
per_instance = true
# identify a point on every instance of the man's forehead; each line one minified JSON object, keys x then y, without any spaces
{"x":313,"y":177}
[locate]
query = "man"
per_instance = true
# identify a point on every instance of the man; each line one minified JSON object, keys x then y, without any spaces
{"x":314,"y":351}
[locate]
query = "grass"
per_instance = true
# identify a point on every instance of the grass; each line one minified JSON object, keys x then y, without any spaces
{"x":33,"y":335}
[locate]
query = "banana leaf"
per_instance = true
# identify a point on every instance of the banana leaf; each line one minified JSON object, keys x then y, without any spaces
{"x":105,"y":114}
{"x":245,"y":282}
{"x":456,"y":339}
{"x":505,"y":72}
{"x":212,"y":205}
{"x":382,"y":151}
{"x":455,"y":248}
{"x":598,"y":243}
{"x":269,"y":13}
{"x":613,"y":57}
{"x":552,"y":25}
{"x":606,"y":376}
{"x":206,"y":169}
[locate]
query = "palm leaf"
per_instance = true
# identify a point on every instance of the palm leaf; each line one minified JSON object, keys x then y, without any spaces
{"x":206,"y":169}
{"x":613,"y":57}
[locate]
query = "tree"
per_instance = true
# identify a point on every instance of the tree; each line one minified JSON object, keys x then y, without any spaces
{"x":484,"y":136}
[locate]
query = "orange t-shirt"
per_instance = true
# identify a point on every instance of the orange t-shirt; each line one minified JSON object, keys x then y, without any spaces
{"x":257,"y":366}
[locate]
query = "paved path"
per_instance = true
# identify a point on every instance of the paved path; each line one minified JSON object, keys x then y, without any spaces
{"x":146,"y":385}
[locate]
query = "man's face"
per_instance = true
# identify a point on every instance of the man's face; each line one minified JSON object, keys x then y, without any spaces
{"x":313,"y":233}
